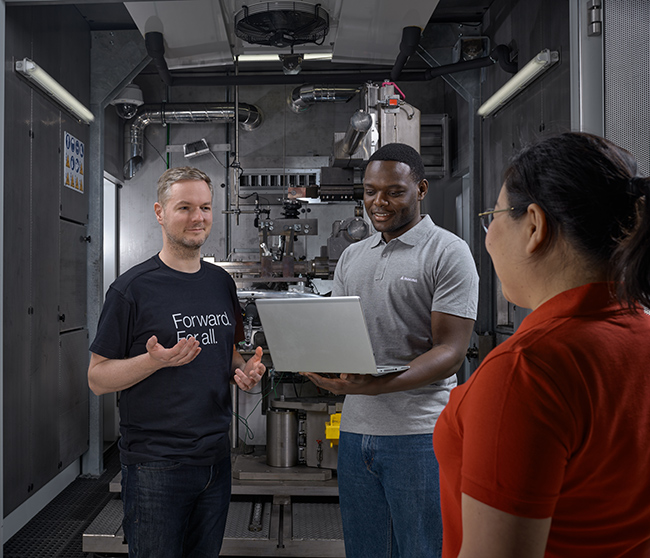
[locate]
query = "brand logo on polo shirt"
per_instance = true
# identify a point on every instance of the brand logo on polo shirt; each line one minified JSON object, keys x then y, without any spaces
{"x":405,"y":278}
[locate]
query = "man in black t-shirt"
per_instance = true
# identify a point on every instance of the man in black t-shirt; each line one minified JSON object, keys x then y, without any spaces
{"x":167,"y":340}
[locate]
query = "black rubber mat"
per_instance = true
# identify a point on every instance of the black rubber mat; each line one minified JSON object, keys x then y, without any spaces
{"x":55,"y":532}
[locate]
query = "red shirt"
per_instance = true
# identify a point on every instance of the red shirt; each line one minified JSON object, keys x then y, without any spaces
{"x":556,"y":422}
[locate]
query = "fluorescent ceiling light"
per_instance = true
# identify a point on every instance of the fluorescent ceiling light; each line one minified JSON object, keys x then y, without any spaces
{"x":317,"y":56}
{"x":276,"y":57}
{"x":517,"y":83}
{"x":47,"y":83}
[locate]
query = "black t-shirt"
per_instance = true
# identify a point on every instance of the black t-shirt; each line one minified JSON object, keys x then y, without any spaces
{"x":181,"y":413}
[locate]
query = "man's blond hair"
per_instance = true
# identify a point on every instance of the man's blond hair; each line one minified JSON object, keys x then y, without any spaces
{"x":176,"y":174}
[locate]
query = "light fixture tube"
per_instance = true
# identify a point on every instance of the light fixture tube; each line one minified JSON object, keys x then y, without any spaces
{"x":47,"y":83}
{"x":276,"y":57}
{"x":517,"y":83}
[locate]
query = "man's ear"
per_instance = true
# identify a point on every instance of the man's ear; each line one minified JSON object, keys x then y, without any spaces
{"x":536,"y":228}
{"x":158,"y":210}
{"x":423,"y":188}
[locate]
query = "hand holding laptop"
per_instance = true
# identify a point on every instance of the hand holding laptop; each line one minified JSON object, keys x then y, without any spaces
{"x":366,"y":384}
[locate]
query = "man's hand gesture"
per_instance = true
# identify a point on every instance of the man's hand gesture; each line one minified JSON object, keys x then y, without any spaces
{"x":252,"y":373}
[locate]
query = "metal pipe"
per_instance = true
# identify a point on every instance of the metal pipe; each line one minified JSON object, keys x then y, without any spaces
{"x":234,"y":425}
{"x":337,"y":79}
{"x":453,"y":68}
{"x":358,"y":128}
{"x":155,"y":45}
{"x":303,"y":97}
{"x":409,"y":44}
{"x":502,"y":54}
{"x":283,"y":79}
{"x":248,"y":116}
{"x":333,"y":78}
{"x":499,"y":54}
{"x":236,"y":164}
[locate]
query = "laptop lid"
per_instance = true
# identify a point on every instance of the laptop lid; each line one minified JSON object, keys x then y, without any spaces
{"x":324,"y":334}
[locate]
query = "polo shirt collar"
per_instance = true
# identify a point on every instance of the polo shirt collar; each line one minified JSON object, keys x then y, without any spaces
{"x":585,"y":300}
{"x":410,"y":237}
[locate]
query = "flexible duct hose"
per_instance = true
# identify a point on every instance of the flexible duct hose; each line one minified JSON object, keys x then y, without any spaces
{"x":250,"y":118}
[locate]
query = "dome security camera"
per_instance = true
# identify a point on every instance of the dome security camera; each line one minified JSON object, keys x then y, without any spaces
{"x":127,"y":102}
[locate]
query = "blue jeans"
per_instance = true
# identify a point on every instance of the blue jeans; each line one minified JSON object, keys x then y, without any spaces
{"x":173,"y":510}
{"x":390,"y":496}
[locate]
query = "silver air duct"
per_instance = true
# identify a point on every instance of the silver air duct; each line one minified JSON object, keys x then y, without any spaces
{"x":303,"y":97}
{"x":249,"y":116}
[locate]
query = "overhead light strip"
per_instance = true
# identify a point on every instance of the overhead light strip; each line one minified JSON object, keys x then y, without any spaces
{"x":276,"y":57}
{"x":47,"y":83}
{"x":517,"y":83}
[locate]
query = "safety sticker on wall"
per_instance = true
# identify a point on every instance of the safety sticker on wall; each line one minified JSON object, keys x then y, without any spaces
{"x":73,"y":163}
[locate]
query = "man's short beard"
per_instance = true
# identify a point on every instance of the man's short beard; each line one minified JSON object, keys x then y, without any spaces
{"x":185,"y":249}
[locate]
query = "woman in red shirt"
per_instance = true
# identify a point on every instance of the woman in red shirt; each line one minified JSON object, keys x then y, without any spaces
{"x":544,"y":452}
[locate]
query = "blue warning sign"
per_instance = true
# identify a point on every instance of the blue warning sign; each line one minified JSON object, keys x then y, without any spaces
{"x":73,"y":163}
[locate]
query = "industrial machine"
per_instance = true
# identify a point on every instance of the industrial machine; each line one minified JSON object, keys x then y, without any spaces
{"x":302,"y":424}
{"x":385,"y":118}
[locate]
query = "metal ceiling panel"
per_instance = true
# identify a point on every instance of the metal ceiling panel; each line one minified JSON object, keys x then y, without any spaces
{"x":370,"y":32}
{"x":194,"y":31}
{"x":201,"y":32}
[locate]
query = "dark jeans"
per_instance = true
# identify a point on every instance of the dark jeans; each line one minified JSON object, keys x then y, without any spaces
{"x":389,"y":492}
{"x":172,"y":510}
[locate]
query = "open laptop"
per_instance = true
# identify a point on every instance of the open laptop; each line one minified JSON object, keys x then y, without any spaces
{"x":327,"y":335}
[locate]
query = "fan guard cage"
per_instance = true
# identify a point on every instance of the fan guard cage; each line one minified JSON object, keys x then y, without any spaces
{"x":282,"y":24}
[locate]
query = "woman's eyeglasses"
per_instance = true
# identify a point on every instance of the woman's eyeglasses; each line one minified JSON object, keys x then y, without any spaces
{"x":487,"y":216}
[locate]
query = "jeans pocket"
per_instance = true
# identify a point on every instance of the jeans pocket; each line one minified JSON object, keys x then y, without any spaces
{"x":159,"y":466}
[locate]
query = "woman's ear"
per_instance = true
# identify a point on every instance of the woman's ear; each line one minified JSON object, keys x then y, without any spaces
{"x":537,"y":228}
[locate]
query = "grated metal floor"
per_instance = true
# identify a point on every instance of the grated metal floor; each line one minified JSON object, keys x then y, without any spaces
{"x":56,"y":531}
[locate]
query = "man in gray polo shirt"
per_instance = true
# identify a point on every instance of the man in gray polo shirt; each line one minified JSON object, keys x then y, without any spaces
{"x":419,"y":291}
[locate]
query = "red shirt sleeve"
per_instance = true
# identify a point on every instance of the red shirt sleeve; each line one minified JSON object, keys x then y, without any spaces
{"x":518,"y":431}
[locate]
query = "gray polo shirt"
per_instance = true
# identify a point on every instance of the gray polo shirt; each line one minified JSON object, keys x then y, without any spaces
{"x":400,"y":283}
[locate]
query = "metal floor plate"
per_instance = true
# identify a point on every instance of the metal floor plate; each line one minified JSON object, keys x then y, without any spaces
{"x":105,"y":533}
{"x":316,"y":521}
{"x":239,"y":519}
{"x":315,"y":529}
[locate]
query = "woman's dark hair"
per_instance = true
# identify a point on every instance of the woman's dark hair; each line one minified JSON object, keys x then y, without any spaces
{"x":401,"y":153}
{"x":588,"y":189}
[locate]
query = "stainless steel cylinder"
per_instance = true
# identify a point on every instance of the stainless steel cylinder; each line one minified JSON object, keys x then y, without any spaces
{"x":359,"y":126}
{"x":281,"y":438}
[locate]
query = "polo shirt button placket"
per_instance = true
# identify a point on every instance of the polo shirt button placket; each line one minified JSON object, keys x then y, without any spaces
{"x":381,"y":268}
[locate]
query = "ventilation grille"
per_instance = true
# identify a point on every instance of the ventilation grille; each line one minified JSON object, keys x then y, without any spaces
{"x":279,"y":179}
{"x":627,"y":77}
{"x":282,"y":24}
{"x":434,"y":144}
